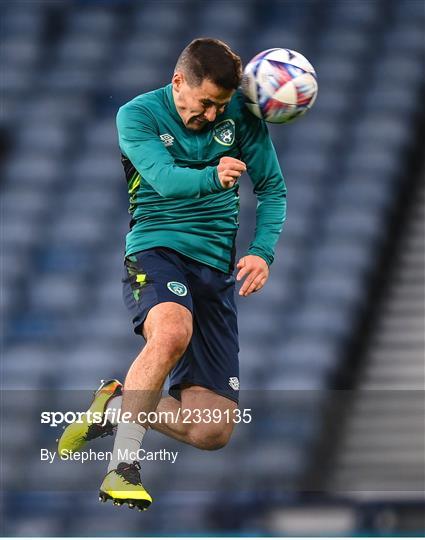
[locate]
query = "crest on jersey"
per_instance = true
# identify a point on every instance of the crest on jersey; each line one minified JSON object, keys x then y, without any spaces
{"x":224,"y":132}
{"x":167,"y":139}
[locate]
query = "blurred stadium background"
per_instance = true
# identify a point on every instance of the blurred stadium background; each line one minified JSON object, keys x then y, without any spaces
{"x":334,"y":345}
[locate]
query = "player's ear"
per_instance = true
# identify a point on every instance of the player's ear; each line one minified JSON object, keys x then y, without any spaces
{"x":177,"y":80}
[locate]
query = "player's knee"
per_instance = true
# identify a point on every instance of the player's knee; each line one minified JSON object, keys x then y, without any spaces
{"x":171,"y":338}
{"x":168,"y":329}
{"x":177,"y":339}
{"x":210,"y":437}
{"x":172,"y":343}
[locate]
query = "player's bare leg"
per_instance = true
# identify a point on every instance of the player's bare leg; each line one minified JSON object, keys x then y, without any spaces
{"x":168,"y":330}
{"x":208,"y":429}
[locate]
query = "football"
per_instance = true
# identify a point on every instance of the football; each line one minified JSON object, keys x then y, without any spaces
{"x":279,"y":85}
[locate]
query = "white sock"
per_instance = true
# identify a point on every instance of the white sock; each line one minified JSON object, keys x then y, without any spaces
{"x":113,"y":409}
{"x":127,"y":443}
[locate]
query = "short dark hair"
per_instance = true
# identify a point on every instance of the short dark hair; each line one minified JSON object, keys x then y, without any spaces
{"x":212,"y":59}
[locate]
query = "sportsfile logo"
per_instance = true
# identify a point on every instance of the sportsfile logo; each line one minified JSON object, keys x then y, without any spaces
{"x":167,"y":139}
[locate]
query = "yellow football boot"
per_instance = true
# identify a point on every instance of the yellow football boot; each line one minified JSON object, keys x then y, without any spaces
{"x":77,"y":434}
{"x":123,"y":486}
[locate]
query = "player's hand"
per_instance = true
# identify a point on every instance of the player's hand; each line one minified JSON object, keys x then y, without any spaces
{"x":255,"y":270}
{"x":229,"y":170}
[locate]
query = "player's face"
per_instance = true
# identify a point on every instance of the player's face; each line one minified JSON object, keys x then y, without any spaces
{"x":199,"y":105}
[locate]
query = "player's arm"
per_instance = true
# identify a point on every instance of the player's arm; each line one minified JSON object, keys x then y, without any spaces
{"x":258,"y":152}
{"x":140,"y":142}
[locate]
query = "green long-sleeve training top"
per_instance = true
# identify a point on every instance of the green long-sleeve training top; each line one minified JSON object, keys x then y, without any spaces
{"x":176,"y":199}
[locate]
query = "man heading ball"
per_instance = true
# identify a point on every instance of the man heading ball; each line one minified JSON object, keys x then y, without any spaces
{"x":184,"y":148}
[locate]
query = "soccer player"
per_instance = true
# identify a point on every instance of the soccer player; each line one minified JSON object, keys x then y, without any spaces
{"x":184,"y":148}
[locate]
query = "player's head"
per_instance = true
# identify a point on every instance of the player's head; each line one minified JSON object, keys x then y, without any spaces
{"x":206,"y":75}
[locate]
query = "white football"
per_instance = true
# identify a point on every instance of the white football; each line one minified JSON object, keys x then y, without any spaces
{"x":279,"y":85}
